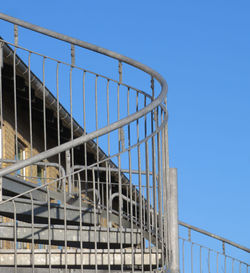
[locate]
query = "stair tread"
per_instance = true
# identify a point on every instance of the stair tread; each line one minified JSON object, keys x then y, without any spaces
{"x":101,"y":235}
{"x":91,"y":257}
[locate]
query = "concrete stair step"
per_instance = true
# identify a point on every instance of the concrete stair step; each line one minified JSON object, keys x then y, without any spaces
{"x":22,"y":209}
{"x":61,"y":270}
{"x":41,"y":235}
{"x":57,"y":257}
{"x":13,"y":185}
{"x":57,"y":215}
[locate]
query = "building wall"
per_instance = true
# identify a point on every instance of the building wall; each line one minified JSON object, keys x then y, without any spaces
{"x":23,"y":136}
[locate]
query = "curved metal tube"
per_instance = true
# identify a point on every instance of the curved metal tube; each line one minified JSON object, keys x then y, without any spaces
{"x":123,"y":197}
{"x":114,"y":126}
{"x":86,"y":45}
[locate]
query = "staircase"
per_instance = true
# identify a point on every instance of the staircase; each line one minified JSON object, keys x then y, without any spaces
{"x":85,"y":171}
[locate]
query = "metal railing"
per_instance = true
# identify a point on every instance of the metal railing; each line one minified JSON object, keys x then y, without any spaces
{"x":108,"y":136}
{"x":203,"y":251}
{"x":107,"y":199}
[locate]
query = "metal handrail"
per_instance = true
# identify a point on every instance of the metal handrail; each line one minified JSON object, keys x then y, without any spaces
{"x":88,"y":46}
{"x":154,"y":108}
{"x":152,"y":229}
{"x":114,"y":126}
{"x":212,"y":235}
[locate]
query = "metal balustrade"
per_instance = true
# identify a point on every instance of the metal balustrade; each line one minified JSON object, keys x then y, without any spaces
{"x":86,"y":183}
{"x":203,"y":251}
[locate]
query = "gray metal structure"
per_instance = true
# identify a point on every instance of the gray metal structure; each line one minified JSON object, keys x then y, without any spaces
{"x":112,"y":205}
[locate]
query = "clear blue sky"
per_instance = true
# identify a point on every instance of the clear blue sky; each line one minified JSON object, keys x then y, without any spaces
{"x":202,"y":48}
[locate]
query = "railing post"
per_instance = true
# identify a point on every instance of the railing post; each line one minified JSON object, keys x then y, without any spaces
{"x":173,"y":221}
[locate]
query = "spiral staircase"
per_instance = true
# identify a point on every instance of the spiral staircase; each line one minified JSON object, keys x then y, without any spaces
{"x":85,"y":177}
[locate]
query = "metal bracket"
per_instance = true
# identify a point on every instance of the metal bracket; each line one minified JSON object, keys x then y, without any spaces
{"x":73,"y":55}
{"x":120,"y":71}
{"x":153,"y":87}
{"x":16,"y":34}
{"x":223,"y":248}
{"x":189,"y":235}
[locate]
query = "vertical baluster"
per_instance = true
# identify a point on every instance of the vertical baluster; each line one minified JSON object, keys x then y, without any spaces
{"x":217,"y":262}
{"x":71,"y":111}
{"x":225,"y":264}
{"x":84,"y":128}
{"x":159,"y":184}
{"x":97,"y":139}
{"x":15,"y":236}
{"x":152,"y":209}
{"x":32,"y":234}
{"x":183,"y":257}
{"x":30,"y":111}
{"x":164,"y":188}
{"x":45,"y":175}
{"x":110,"y":207}
{"x":65,"y":225}
{"x":119,"y":174}
{"x":49,"y":226}
{"x":208,"y":260}
{"x":136,"y":205}
{"x":200,"y":259}
{"x":130,"y":185}
{"x":94,"y":201}
{"x":107,"y":96}
{"x":44,"y":108}
{"x":107,"y":210}
{"x":192,"y":266}
{"x":154,"y":174}
{"x":140,"y":182}
{"x":166,"y":156}
{"x":58,"y":121}
{"x":80,"y":218}
{"x":44,"y":117}
{"x":103,"y":200}
{"x":148,"y":189}
{"x":144,"y":206}
{"x":15,"y":87}
{"x":108,"y":182}
{"x":127,"y":201}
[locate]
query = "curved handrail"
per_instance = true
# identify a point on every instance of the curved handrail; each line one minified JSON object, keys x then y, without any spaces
{"x":88,"y":46}
{"x":114,"y":126}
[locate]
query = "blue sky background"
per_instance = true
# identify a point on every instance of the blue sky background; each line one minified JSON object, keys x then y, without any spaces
{"x":202,"y":48}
